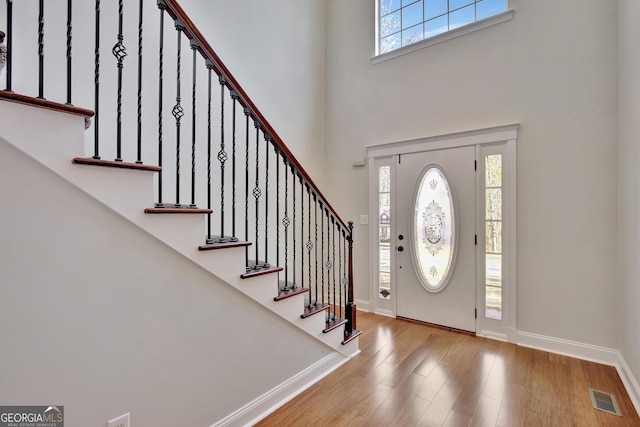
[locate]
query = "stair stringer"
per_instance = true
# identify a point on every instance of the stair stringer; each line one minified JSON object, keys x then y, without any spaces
{"x":133,"y":193}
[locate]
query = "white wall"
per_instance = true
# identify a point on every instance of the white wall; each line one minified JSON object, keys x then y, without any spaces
{"x":102,"y":318}
{"x":553,"y":69}
{"x":276,"y":51}
{"x":629,"y":182}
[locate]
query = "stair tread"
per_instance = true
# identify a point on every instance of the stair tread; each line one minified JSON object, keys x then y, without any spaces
{"x":260,"y":272}
{"x":310,"y":311}
{"x":332,"y":324}
{"x":223,"y":245}
{"x":113,"y":164}
{"x":172,"y":209}
{"x":350,"y":337}
{"x":284,"y":294}
{"x":43,"y":103}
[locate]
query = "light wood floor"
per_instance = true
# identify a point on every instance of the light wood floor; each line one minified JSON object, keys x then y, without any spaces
{"x":411,"y":374}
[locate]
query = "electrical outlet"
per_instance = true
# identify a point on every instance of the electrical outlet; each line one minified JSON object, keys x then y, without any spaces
{"x":364,"y":219}
{"x":121,"y":421}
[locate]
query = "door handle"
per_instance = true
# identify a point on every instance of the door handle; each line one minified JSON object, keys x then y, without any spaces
{"x":400,"y":249}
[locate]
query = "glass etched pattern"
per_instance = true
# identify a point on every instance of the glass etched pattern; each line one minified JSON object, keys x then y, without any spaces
{"x":384,"y":232}
{"x":493,"y":236}
{"x":434,"y":230}
{"x":404,"y":22}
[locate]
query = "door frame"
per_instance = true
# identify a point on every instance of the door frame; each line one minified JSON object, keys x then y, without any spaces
{"x":501,"y":139}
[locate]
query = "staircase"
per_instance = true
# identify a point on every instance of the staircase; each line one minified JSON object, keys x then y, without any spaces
{"x":266,"y":230}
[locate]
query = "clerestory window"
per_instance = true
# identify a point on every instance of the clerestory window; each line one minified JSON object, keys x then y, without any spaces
{"x":405,"y":22}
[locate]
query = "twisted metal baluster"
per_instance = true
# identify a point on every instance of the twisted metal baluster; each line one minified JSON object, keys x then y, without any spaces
{"x":234,"y":97}
{"x":162,"y":8}
{"x":41,"y":49}
{"x":222,"y":157}
{"x":96,"y":83}
{"x":194,"y":48}
{"x":209,"y":90}
{"x":247,"y":113}
{"x":286,"y":222}
{"x":302,"y":233}
{"x":277,"y":205}
{"x":177,"y":111}
{"x":69,"y":33}
{"x":322,"y":248}
{"x":9,"y":43}
{"x":256,"y":190}
{"x":315,"y":221}
{"x":140,"y":19}
{"x":293,"y":237}
{"x":309,"y":247}
{"x":120,"y":52}
{"x":267,"y":139}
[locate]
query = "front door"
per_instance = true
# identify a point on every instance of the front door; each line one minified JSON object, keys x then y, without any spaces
{"x":435,"y":242}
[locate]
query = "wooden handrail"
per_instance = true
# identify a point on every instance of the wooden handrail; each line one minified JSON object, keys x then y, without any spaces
{"x":192,"y":32}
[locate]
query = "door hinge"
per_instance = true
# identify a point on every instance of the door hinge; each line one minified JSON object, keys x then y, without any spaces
{"x":476,"y":239}
{"x":475,"y":165}
{"x":476,"y":313}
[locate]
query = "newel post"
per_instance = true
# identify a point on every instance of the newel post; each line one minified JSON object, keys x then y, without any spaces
{"x":351,"y":306}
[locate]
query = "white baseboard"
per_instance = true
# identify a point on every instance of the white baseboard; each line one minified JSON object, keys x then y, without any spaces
{"x":493,"y":335}
{"x":591,"y":353}
{"x":259,"y":408}
{"x":629,"y":381}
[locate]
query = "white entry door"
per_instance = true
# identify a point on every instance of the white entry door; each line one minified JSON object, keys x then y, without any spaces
{"x":435,"y":242}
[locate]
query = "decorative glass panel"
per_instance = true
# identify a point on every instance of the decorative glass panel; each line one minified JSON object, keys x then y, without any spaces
{"x":434,"y":230}
{"x":493,"y":236}
{"x":384,"y":232}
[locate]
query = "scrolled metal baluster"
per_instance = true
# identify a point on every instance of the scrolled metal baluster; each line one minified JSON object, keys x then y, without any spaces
{"x":302,"y":233}
{"x":275,"y":148}
{"x":322,"y":250}
{"x":120,"y":52}
{"x":256,"y":191}
{"x":177,"y":110}
{"x":222,"y":157}
{"x":315,"y":222}
{"x":247,"y":113}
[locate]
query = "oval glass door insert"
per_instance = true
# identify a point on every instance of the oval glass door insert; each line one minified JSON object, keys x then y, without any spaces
{"x":434,"y":230}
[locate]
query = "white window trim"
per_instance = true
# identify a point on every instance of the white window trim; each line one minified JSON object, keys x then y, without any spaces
{"x":452,"y":34}
{"x":501,"y":140}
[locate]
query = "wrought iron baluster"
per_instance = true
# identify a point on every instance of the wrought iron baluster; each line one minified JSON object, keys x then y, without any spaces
{"x":162,"y":8}
{"x":286,"y":222}
{"x":315,"y":222}
{"x":339,"y":271}
{"x":322,"y":249}
{"x":309,"y":248}
{"x":293,"y":237}
{"x":120,"y":52}
{"x":247,"y":113}
{"x":194,"y":48}
{"x":256,"y":190}
{"x":234,"y":97}
{"x":222,"y":157}
{"x":9,"y":40}
{"x":69,"y":34}
{"x":345,"y":281}
{"x":140,"y":20}
{"x":267,"y":139}
{"x":302,"y":233}
{"x":209,"y":90}
{"x":277,"y":205}
{"x":41,"y":49}
{"x":177,"y":110}
{"x":96,"y":86}
{"x":333,"y":262}
{"x":327,"y":265}
{"x":350,"y":310}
